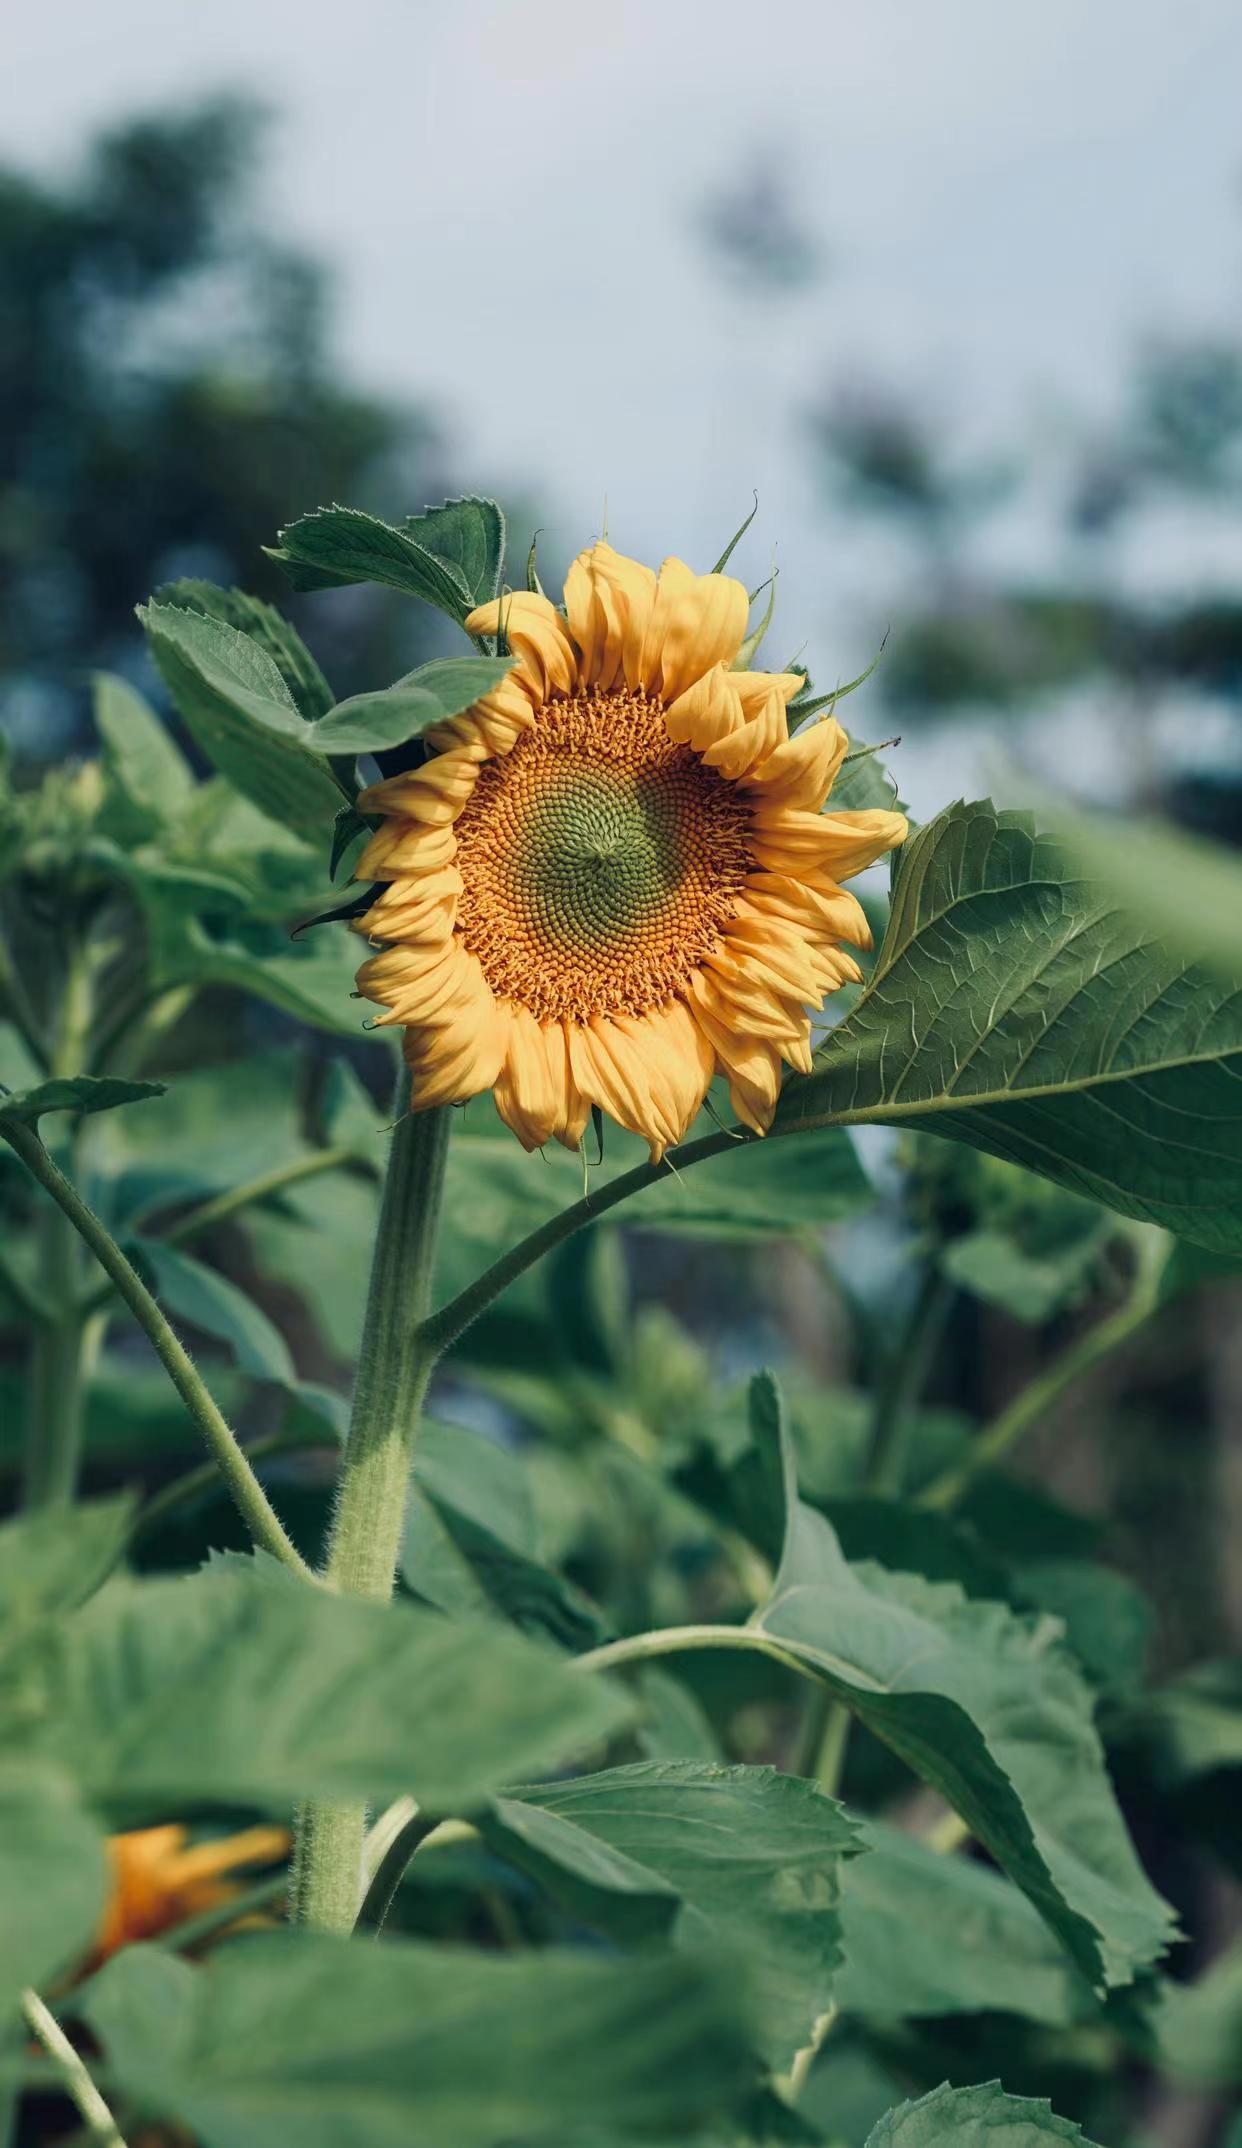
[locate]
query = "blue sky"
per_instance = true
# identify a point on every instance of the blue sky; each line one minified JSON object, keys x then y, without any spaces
{"x":1010,"y":195}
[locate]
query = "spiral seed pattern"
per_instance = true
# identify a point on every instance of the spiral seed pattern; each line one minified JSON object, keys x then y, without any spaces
{"x":600,"y":862}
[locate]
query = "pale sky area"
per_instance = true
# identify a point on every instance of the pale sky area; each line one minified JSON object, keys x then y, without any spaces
{"x":1009,"y":196}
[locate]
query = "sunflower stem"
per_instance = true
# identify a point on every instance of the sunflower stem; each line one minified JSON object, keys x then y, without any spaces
{"x":248,"y":1494}
{"x":394,"y":1368}
{"x":444,"y":1328}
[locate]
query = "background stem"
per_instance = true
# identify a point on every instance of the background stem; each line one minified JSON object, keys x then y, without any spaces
{"x":101,"y":2125}
{"x":394,"y":1367}
{"x":54,"y":1406}
{"x":902,"y":1383}
{"x":251,"y":1499}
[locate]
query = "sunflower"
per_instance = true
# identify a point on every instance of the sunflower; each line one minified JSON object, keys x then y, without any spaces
{"x":159,"y":1878}
{"x":612,"y":878}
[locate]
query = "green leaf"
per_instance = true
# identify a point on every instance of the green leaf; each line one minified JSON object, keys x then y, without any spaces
{"x":1029,"y":1285}
{"x":448,"y":556}
{"x":741,"y":1860}
{"x":926,"y":1934}
{"x":1194,"y":1724}
{"x":990,"y":1709}
{"x":238,"y":708}
{"x":1108,"y":1621}
{"x":52,"y":1561}
{"x":982,"y":2117}
{"x":299,"y":2037}
{"x":1018,"y":1009}
{"x":371,"y":723}
{"x":1198,"y":2026}
{"x":76,"y":1093}
{"x":312,"y":695}
{"x":53,"y":1880}
{"x":470,"y":1543}
{"x":141,"y":759}
{"x":202,"y":1298}
{"x":243,"y":1685}
{"x":863,"y":781}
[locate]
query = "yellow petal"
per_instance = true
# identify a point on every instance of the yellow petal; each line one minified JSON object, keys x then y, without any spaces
{"x":608,"y":601}
{"x":457,"y":1066}
{"x":707,"y":713}
{"x":492,"y":725}
{"x":754,"y":741}
{"x":801,"y":770}
{"x":697,"y":620}
{"x":530,"y":1090}
{"x":672,"y":1040}
{"x":611,"y":1071}
{"x":538,"y":636}
{"x":755,"y":687}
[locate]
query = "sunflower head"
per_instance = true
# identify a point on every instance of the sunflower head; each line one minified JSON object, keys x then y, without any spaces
{"x":159,"y":1878}
{"x":613,"y":877}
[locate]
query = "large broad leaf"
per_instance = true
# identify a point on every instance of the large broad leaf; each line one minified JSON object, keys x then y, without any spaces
{"x":372,"y":723}
{"x":1017,"y":1007}
{"x":53,"y":1880}
{"x":982,"y":2117}
{"x":449,"y":556}
{"x":204,"y":1299}
{"x":470,"y":1543}
{"x":989,"y":1708}
{"x":926,"y":1934}
{"x":77,"y":1093}
{"x":311,"y":692}
{"x":234,"y":701}
{"x":298,"y":2038}
{"x":243,"y":1685}
{"x":740,"y":1859}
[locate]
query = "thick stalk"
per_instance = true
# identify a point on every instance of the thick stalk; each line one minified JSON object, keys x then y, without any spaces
{"x":393,"y":1370}
{"x":58,"y":1346}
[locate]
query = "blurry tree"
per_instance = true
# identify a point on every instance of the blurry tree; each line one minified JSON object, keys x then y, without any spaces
{"x":975,"y":638}
{"x":167,"y":400}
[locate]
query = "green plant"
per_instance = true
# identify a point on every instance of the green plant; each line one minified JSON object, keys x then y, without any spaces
{"x":672,"y":1754}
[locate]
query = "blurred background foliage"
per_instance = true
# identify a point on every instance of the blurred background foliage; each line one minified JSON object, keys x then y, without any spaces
{"x":169,"y":396}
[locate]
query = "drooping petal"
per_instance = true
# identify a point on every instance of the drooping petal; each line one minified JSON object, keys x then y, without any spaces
{"x":449,"y":1066}
{"x":708,"y":712}
{"x":754,"y":741}
{"x":801,"y":770}
{"x":608,"y":601}
{"x":841,"y":844}
{"x":697,"y":620}
{"x":685,"y":1059}
{"x":536,"y":633}
{"x":530,"y":1090}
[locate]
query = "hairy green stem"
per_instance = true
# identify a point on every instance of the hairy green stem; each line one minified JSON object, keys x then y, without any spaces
{"x":393,"y":1370}
{"x":101,"y":2126}
{"x":679,"y":1640}
{"x":1037,"y":1398}
{"x":207,"y":1475}
{"x":248,"y":1494}
{"x":452,"y":1320}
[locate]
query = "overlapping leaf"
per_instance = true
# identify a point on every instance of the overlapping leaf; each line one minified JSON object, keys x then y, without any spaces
{"x":1017,"y":1007}
{"x":449,"y":556}
{"x":234,"y":700}
{"x":740,"y":1859}
{"x":297,"y":2038}
{"x":983,"y":2117}
{"x":989,"y":1708}
{"x":241,"y":1685}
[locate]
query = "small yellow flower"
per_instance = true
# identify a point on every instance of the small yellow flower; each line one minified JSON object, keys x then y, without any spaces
{"x":157,"y":1882}
{"x":612,"y":878}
